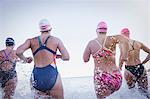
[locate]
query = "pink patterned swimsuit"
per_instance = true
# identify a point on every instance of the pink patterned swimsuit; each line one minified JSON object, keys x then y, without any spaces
{"x":105,"y":82}
{"x":102,"y":52}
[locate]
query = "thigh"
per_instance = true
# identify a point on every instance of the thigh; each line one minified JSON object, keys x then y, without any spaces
{"x":10,"y":86}
{"x":130,"y":79}
{"x":39,"y":94}
{"x":101,"y":88}
{"x":55,"y":93}
{"x":143,"y":81}
{"x":102,"y":91}
{"x":57,"y":90}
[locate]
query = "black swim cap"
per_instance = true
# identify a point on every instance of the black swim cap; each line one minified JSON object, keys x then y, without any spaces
{"x":10,"y":41}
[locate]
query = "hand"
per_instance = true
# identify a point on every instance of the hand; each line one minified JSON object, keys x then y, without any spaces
{"x":120,"y":68}
{"x":28,"y":59}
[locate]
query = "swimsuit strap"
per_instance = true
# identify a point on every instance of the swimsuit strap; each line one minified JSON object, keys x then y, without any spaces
{"x":40,"y":43}
{"x":98,"y":43}
{"x":46,"y":41}
{"x":43,"y":46}
{"x":101,"y":45}
{"x":7,"y":59}
{"x":104,"y":42}
{"x":39,"y":40}
{"x":7,"y":55}
{"x":132,"y":44}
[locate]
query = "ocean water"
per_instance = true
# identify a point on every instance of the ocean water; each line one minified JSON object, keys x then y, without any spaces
{"x":74,"y":87}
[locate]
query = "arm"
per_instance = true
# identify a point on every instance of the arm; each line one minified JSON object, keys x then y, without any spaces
{"x":1,"y":57}
{"x":146,"y":59}
{"x":17,"y":59}
{"x":146,"y":49}
{"x":124,"y":49}
{"x":21,"y":49}
{"x":64,"y":53}
{"x":87,"y":53}
{"x":120,"y":58}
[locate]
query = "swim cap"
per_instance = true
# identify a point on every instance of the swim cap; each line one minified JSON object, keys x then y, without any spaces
{"x":125,"y":32}
{"x":101,"y":27}
{"x":10,"y":41}
{"x":44,"y":25}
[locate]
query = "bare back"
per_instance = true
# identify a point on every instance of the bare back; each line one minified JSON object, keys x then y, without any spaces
{"x":7,"y":59}
{"x":134,"y":53}
{"x":44,"y":57}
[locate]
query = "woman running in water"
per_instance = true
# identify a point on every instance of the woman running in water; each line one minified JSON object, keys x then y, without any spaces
{"x":45,"y":79}
{"x":134,"y":68}
{"x":107,"y":77}
{"x":8,"y":75}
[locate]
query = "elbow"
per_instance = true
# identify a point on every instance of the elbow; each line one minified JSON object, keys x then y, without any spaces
{"x":18,"y":52}
{"x":85,"y":59}
{"x":124,"y":59}
{"x":66,"y":58}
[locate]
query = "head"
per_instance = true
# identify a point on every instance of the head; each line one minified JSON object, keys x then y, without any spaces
{"x":44,"y":25}
{"x":125,"y":32}
{"x":10,"y":42}
{"x":102,"y":27}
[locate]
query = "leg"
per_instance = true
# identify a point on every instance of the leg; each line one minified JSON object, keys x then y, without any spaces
{"x":101,"y":88}
{"x":101,"y":93}
{"x":39,"y":94}
{"x":9,"y":88}
{"x":55,"y":93}
{"x":130,"y":79}
{"x":57,"y":90}
{"x":143,"y":84}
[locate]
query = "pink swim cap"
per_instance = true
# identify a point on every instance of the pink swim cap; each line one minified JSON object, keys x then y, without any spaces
{"x":44,"y":25}
{"x":101,"y":27}
{"x":125,"y":31}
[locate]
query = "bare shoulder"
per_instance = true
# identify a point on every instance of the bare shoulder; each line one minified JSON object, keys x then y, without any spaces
{"x":117,"y":36}
{"x":92,"y":42}
{"x":113,"y":38}
{"x":32,"y":39}
{"x":56,"y":39}
{"x":140,"y":44}
{"x":1,"y":52}
{"x":14,"y":52}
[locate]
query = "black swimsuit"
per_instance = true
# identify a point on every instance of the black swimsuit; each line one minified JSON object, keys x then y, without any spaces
{"x":5,"y":76}
{"x":136,"y":70}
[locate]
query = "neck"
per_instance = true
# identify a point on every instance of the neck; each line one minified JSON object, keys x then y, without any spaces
{"x":101,"y":35}
{"x":9,"y":47}
{"x":45,"y":33}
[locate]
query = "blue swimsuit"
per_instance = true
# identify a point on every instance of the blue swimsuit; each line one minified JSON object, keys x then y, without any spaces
{"x":43,"y":79}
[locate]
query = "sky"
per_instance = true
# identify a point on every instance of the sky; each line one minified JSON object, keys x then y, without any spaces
{"x":74,"y":22}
